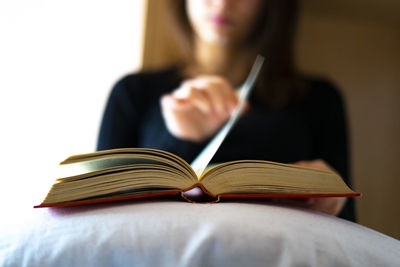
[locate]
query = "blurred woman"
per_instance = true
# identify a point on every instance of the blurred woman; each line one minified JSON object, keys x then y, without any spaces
{"x":291,"y":118}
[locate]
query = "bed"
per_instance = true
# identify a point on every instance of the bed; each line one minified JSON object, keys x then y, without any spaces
{"x":168,"y":232}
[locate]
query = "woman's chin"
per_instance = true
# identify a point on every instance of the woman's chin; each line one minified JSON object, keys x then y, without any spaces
{"x":220,"y":40}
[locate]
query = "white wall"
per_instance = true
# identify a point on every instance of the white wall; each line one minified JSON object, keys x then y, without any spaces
{"x":58,"y":62}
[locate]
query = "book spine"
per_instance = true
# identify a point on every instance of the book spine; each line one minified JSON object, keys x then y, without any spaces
{"x":211,"y":198}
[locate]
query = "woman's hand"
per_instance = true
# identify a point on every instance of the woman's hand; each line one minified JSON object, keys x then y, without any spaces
{"x":199,"y":107}
{"x":329,"y":205}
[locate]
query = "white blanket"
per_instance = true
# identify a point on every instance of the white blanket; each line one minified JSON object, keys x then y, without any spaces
{"x":175,"y":233}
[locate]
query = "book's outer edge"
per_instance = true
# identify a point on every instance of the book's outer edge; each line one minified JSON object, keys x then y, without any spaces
{"x":98,"y":201}
{"x":291,"y":196}
{"x":216,"y":198}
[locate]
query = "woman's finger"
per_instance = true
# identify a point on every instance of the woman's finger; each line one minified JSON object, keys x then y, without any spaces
{"x":170,"y":102}
{"x":200,"y":100}
{"x":218,"y":99}
{"x":220,"y":93}
{"x":196,"y":97}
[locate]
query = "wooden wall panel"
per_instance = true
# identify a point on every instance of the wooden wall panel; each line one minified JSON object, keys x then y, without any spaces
{"x":158,"y":44}
{"x":362,"y":56}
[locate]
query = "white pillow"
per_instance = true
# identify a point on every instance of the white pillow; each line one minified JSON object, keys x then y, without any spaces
{"x":176,"y":233}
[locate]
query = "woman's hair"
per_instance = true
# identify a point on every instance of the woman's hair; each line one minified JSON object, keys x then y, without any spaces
{"x":273,"y":37}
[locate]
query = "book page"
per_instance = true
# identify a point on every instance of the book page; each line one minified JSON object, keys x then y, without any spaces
{"x":91,"y":162}
{"x":258,"y":177}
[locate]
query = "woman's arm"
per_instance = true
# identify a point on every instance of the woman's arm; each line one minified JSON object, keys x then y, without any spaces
{"x":329,"y":128}
{"x":329,"y":205}
{"x":121,"y":116}
{"x":330,"y":137}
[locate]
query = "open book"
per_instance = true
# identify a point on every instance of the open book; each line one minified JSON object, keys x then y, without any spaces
{"x":127,"y":173}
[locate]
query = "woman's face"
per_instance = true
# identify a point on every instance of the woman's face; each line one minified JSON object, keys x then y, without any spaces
{"x":223,"y":22}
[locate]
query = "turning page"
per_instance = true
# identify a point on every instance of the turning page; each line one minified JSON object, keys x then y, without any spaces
{"x":204,"y":158}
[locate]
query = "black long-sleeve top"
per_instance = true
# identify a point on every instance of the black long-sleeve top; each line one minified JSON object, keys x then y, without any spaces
{"x":311,"y":128}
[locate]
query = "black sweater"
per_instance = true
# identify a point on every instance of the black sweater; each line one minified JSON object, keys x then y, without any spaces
{"x":311,"y":128}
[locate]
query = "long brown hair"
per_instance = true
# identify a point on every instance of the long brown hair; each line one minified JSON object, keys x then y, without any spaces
{"x":273,"y":37}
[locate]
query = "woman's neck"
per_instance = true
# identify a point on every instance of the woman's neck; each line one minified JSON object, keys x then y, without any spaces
{"x":222,"y":60}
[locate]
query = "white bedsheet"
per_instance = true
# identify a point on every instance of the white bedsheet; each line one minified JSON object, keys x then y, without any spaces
{"x":176,"y":233}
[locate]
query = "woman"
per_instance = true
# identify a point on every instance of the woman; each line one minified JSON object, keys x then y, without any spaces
{"x":290,"y":118}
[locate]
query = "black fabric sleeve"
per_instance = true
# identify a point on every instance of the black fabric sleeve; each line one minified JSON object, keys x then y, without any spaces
{"x":185,"y":149}
{"x":331,"y":135}
{"x":330,"y":128}
{"x":132,"y":117}
{"x":121,"y":116}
